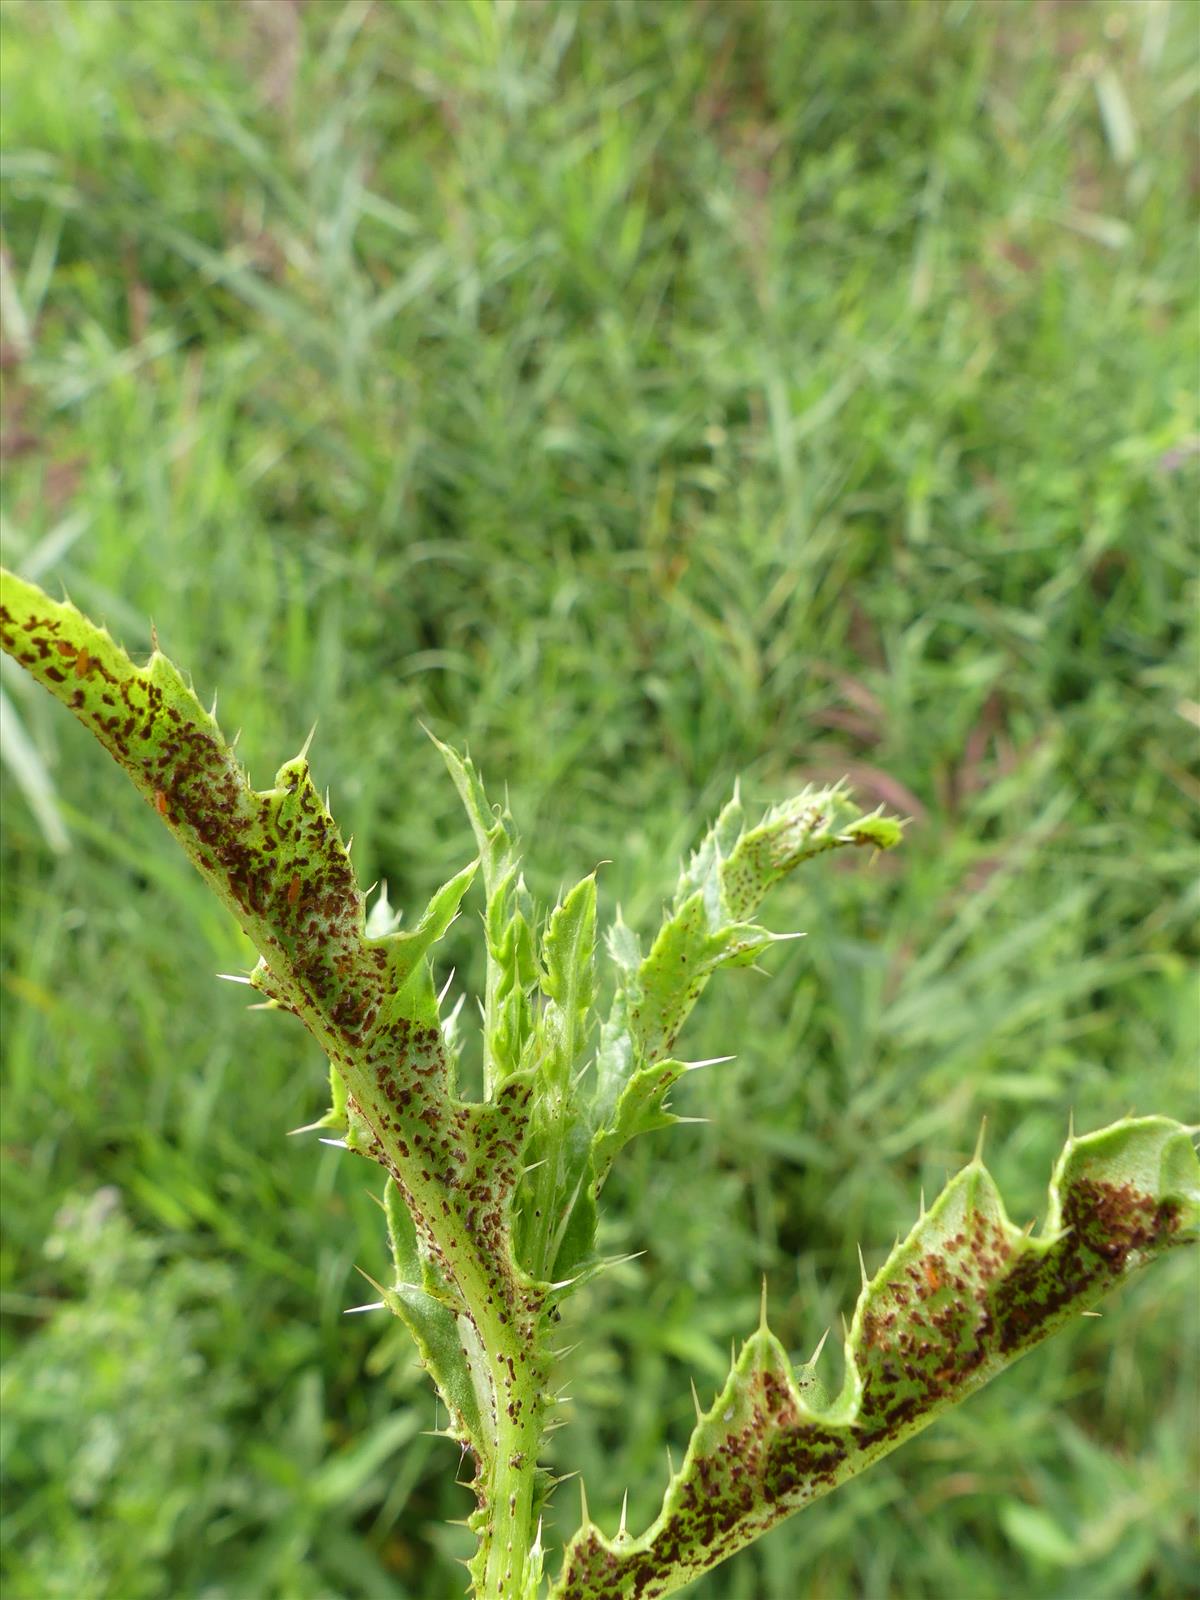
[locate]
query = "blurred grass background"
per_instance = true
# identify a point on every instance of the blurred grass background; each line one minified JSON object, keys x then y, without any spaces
{"x":644,"y":394}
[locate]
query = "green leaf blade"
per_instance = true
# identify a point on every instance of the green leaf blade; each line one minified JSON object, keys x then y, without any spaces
{"x":707,"y":928}
{"x":964,"y":1296}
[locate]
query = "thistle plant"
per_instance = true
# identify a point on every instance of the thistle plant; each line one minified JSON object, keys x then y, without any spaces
{"x":491,"y":1204}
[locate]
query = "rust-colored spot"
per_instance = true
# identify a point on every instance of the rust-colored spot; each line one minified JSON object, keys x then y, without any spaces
{"x":932,"y":1276}
{"x":64,"y":647}
{"x":160,"y":802}
{"x":83,"y":663}
{"x":293,"y":889}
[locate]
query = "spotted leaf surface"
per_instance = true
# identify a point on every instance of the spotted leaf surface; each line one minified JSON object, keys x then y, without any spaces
{"x":276,"y":859}
{"x":962,"y":1297}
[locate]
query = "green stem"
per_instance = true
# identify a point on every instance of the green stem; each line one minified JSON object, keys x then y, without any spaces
{"x":505,"y":1567}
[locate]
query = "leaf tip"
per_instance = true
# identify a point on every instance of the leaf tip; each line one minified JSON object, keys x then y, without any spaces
{"x":977,"y":1158}
{"x":816,"y":1355}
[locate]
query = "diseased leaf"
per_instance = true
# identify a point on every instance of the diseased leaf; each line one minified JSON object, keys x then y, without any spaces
{"x":443,"y":1335}
{"x":805,"y":826}
{"x":276,"y":859}
{"x":639,"y":1110}
{"x":723,"y":884}
{"x":965,"y":1295}
{"x":721,"y":888}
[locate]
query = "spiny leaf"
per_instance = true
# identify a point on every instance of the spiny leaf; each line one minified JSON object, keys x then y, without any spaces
{"x":512,"y":971}
{"x":965,"y":1295}
{"x":557,"y":1147}
{"x":805,"y":826}
{"x":640,"y":1109}
{"x":569,"y":980}
{"x":722,"y":886}
{"x":441,"y":1333}
{"x":276,"y":859}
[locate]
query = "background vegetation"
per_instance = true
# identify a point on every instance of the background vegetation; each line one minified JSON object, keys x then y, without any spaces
{"x":644,"y":394}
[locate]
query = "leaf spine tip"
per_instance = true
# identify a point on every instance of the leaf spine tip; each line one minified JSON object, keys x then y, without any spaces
{"x":762,"y":1305}
{"x":371,"y":1305}
{"x":338,"y":1144}
{"x":584,"y":1519}
{"x":813,"y":1359}
{"x":445,"y":989}
{"x":699,"y":1413}
{"x":304,"y":748}
{"x":978,"y":1156}
{"x":922,"y":1211}
{"x":233,"y":977}
{"x":621,"y":1531}
{"x":863,"y":1269}
{"x":709,"y":1061}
